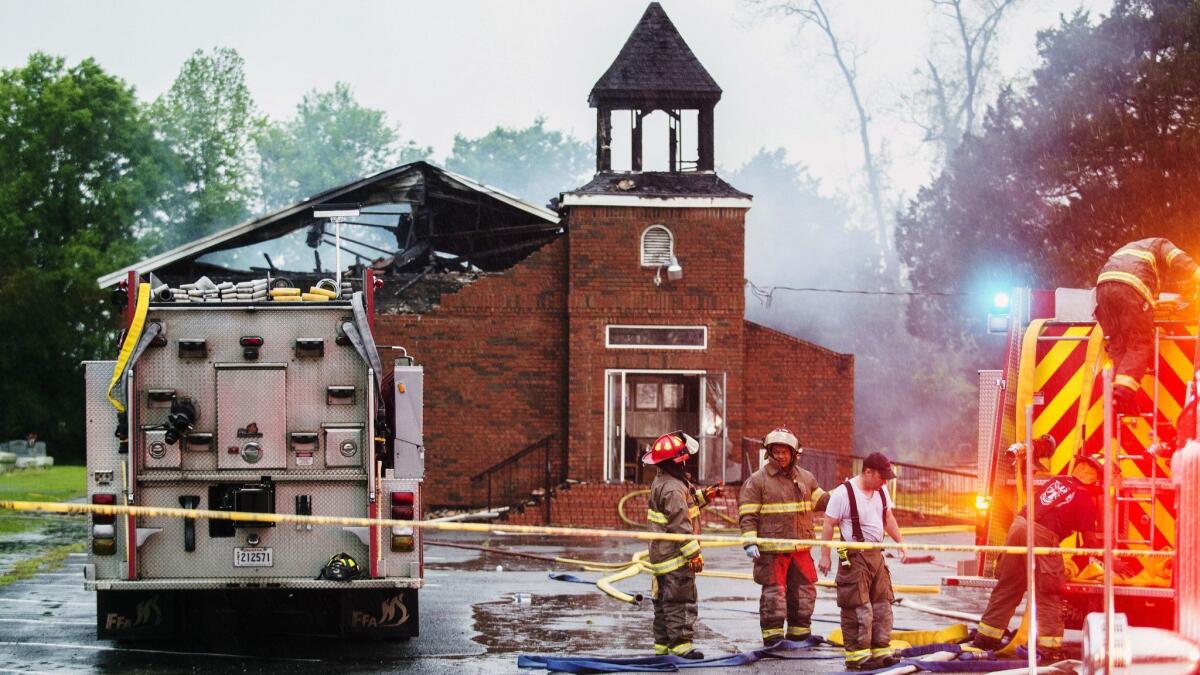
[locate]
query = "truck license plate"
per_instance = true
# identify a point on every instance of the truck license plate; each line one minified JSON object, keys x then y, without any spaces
{"x":253,"y":557}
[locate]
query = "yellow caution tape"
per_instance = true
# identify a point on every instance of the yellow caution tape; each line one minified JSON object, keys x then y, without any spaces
{"x":544,"y":530}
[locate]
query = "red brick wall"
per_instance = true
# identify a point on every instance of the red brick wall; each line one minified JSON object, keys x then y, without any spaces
{"x":494,"y":355}
{"x":608,"y":285}
{"x":801,"y":386}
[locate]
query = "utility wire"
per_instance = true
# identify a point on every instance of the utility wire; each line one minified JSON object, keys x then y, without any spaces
{"x":766,"y":294}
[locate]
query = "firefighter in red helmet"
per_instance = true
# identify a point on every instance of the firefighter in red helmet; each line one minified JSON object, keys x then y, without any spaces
{"x":674,"y":507}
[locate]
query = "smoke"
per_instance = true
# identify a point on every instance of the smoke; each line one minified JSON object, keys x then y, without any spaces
{"x":913,"y":399}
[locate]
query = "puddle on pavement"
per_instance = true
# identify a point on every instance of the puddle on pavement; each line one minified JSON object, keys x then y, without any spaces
{"x":569,"y":625}
{"x":475,"y":560}
{"x":52,"y":532}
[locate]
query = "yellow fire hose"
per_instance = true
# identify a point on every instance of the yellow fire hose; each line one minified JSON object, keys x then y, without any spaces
{"x":637,"y":493}
{"x":131,"y":339}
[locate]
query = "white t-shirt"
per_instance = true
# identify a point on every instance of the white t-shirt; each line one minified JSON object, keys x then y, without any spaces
{"x":870,"y":512}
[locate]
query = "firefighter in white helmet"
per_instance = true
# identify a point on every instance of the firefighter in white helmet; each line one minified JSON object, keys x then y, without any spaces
{"x":778,"y":502}
{"x":674,"y":507}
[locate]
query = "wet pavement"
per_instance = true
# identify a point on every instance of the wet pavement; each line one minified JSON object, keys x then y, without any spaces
{"x":475,"y":618}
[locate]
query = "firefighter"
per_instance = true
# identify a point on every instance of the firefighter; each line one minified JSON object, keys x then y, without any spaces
{"x":1125,"y":293}
{"x":778,"y":501}
{"x":1066,"y":504}
{"x":864,"y":584}
{"x":675,"y":507}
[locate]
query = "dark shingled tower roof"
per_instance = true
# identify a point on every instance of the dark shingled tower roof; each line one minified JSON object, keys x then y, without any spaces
{"x":655,"y":68}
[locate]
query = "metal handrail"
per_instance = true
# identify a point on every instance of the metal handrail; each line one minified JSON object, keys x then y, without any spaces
{"x":515,"y":457}
{"x":549,"y":480}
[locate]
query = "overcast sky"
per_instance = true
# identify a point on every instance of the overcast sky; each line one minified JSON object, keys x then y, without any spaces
{"x":465,"y":66}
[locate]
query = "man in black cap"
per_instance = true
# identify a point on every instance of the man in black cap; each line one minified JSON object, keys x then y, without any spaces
{"x":861,"y":507}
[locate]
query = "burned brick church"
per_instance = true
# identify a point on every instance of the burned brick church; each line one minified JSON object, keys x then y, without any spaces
{"x":557,"y":343}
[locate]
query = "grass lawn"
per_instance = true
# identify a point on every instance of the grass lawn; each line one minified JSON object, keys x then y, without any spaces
{"x":55,"y":484}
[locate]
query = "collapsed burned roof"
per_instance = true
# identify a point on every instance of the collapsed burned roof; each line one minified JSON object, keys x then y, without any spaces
{"x":416,"y":218}
{"x":659,"y":184}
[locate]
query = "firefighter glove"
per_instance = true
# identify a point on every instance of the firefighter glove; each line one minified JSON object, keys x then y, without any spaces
{"x":711,"y":492}
{"x":752,"y":551}
{"x":696,"y":563}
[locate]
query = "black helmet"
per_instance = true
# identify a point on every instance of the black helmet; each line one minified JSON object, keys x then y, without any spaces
{"x":340,"y":567}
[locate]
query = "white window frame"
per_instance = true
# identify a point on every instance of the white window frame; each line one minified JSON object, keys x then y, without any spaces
{"x":610,"y":420}
{"x":608,"y":344}
{"x":670,"y":247}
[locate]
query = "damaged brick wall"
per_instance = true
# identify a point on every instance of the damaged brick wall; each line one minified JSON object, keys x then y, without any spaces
{"x":801,"y":386}
{"x":494,"y":354}
{"x":609,"y":286}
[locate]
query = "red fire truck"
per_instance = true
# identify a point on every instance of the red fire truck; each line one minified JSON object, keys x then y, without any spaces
{"x":1053,"y":361}
{"x":238,"y":400}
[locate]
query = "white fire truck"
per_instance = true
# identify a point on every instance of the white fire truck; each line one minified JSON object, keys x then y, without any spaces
{"x":253,"y":405}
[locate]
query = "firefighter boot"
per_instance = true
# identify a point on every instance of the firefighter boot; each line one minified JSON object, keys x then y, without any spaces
{"x":986,"y":643}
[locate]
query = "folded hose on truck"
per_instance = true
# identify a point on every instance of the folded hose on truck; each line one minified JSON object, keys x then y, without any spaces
{"x":127,"y":347}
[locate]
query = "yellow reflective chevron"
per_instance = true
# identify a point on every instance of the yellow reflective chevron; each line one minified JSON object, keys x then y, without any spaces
{"x":778,"y":548}
{"x":743,"y":509}
{"x":1127,"y":381}
{"x":681,"y":649}
{"x":990,"y":631}
{"x":1130,"y":279}
{"x":690,"y":549}
{"x":787,"y":507}
{"x":750,"y":534}
{"x":768,"y":633}
{"x":660,"y":650}
{"x":798,"y":632}
{"x":1173,"y":254}
{"x":1144,"y":255}
{"x":1051,"y":641}
{"x":857,"y":655}
{"x":656,"y":517}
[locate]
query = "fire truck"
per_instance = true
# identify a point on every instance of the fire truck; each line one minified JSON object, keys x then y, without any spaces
{"x":248,"y":402}
{"x":1054,"y":358}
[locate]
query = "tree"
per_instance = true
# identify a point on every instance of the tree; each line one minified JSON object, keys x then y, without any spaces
{"x":1099,"y":151}
{"x":813,"y":13}
{"x":331,"y":140}
{"x":79,"y":170}
{"x":208,"y":121}
{"x":534,"y":163}
{"x":948,"y":104}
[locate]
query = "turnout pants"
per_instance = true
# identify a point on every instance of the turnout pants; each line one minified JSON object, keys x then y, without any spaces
{"x":788,"y":594}
{"x":1011,"y":584}
{"x":864,"y":594}
{"x":1128,"y":322}
{"x":674,"y":596}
